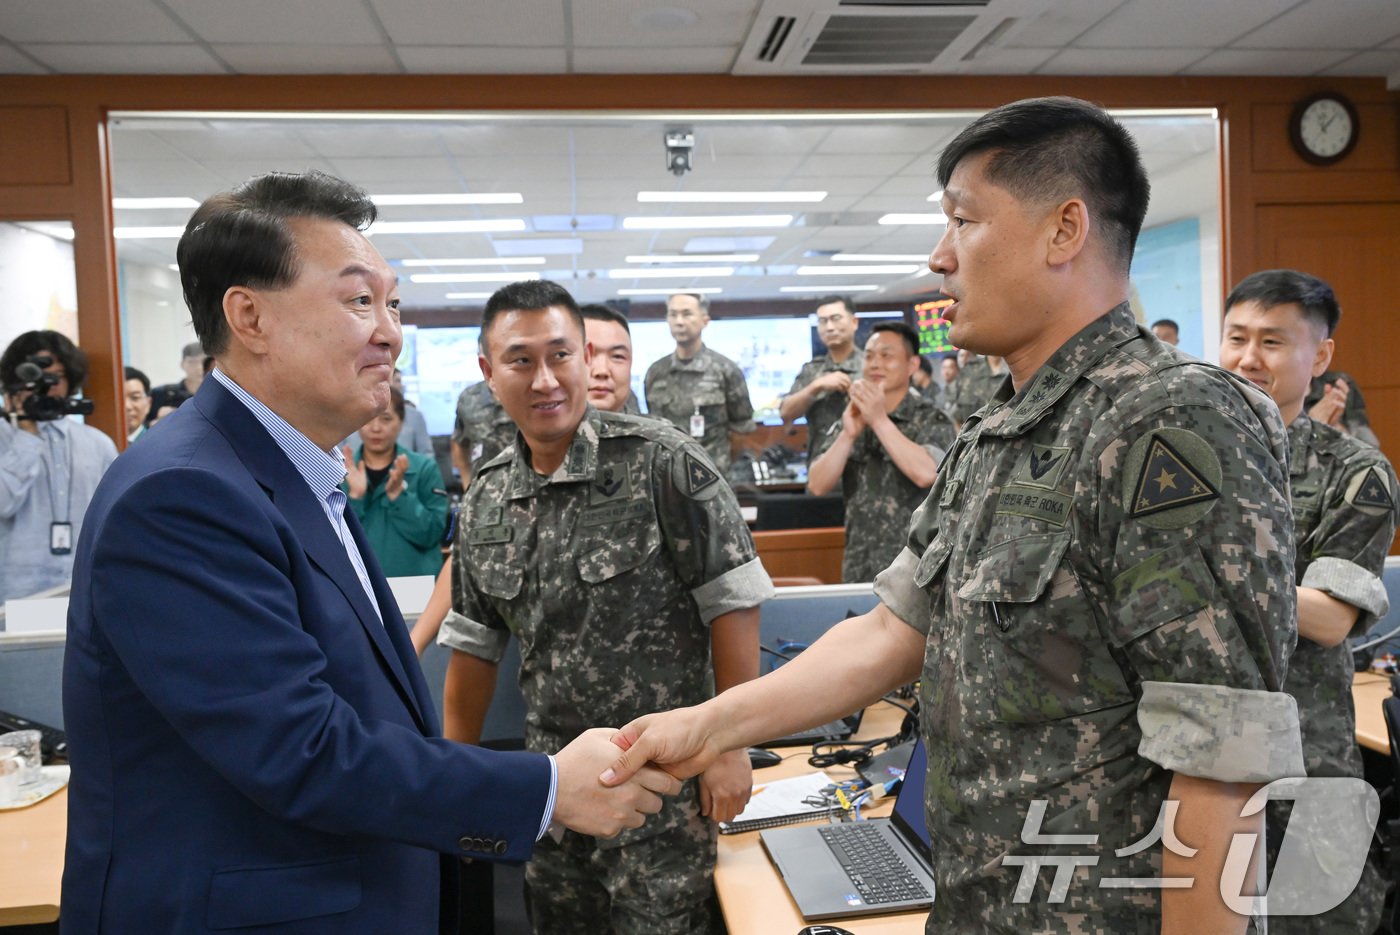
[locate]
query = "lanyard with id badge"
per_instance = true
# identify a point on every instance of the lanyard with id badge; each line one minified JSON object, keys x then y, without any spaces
{"x":60,"y":530}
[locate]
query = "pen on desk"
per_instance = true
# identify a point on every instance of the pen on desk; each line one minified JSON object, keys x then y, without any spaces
{"x":757,"y":790}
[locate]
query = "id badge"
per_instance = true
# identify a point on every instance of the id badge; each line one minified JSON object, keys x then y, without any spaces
{"x":60,"y":538}
{"x":697,"y":426}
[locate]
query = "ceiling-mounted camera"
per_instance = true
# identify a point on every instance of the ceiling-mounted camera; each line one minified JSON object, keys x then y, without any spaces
{"x":680,"y":143}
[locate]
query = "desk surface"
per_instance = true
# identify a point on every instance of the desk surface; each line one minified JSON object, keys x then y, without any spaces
{"x":1368,"y":690}
{"x":752,"y":894}
{"x":31,"y":860}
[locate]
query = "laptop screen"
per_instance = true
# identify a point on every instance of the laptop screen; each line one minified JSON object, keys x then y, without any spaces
{"x":909,"y":804}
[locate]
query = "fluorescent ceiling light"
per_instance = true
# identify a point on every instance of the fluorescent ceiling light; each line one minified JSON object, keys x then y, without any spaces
{"x":467,"y":295}
{"x":479,"y":198}
{"x":445,"y":227}
{"x":735,"y":197}
{"x":702,"y":221}
{"x":694,"y":258}
{"x":936,"y":196}
{"x":474,"y":277}
{"x":887,"y":270}
{"x":151,"y":204}
{"x":549,"y":246}
{"x":862,"y":288}
{"x":880,"y":257}
{"x":699,"y":290}
{"x":173,"y":266}
{"x":148,"y":233}
{"x":647,"y":272}
{"x":478,"y":261}
{"x":934,"y":218}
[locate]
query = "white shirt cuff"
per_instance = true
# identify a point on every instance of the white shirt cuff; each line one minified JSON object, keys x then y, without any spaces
{"x":548,"y":815}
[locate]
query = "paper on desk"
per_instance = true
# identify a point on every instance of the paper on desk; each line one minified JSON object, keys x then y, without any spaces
{"x":781,"y":802}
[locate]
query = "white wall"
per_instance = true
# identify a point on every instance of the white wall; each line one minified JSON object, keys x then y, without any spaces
{"x":38,"y":288}
{"x":155,"y":322}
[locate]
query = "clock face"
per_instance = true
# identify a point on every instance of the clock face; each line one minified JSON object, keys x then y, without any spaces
{"x":1326,"y":128}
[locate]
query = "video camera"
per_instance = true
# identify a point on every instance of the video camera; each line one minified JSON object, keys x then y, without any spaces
{"x":39,"y":405}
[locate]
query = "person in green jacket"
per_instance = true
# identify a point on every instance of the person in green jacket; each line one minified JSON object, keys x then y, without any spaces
{"x":397,"y":496}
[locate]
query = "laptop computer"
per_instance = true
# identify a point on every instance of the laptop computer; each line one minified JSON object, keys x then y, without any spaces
{"x":860,"y":868}
{"x":839,"y":729}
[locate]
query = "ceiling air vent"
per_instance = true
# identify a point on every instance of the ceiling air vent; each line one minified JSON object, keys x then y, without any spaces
{"x":884,"y":40}
{"x":773,"y":43}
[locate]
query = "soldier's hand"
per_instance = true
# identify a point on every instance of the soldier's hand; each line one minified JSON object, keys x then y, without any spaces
{"x":851,"y":421}
{"x":835,"y":382}
{"x":583,"y":804}
{"x":679,"y":741}
{"x":393,"y":484}
{"x":869,"y":397}
{"x":725,"y":786}
{"x":1333,"y":403}
{"x":355,"y":477}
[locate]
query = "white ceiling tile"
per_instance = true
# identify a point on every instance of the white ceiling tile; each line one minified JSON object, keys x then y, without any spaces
{"x":453,"y":22}
{"x":1368,"y":64}
{"x":277,"y":21}
{"x":1316,"y":24}
{"x":1266,"y":62}
{"x":868,"y":165}
{"x":1120,"y":61}
{"x":1155,"y":24}
{"x":13,"y":63}
{"x":101,"y":58}
{"x":698,"y":59}
{"x":644,"y":23}
{"x":278,"y":59}
{"x":885,"y":139}
{"x":85,"y":21}
{"x":1006,"y":61}
{"x":478,"y":60}
{"x":231,"y":172}
{"x":423,"y":169}
{"x":262,"y":143}
{"x":1062,"y":21}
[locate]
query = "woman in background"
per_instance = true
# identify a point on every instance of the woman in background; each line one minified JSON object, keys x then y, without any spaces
{"x":397,"y":496}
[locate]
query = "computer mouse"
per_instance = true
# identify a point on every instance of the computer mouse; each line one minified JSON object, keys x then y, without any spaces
{"x":759,"y":758}
{"x":823,"y":930}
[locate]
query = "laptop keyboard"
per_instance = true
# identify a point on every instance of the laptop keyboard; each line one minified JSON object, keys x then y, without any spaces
{"x":874,"y":868}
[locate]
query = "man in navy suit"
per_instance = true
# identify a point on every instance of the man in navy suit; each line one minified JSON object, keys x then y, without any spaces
{"x":252,"y":742}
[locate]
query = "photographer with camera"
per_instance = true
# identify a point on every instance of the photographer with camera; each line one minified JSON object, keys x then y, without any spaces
{"x":49,"y":463}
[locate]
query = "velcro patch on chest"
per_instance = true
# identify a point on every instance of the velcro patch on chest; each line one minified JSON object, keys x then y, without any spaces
{"x":1369,"y":491}
{"x":1171,"y":478}
{"x":1043,"y":466}
{"x":490,"y":535}
{"x":613,"y":483}
{"x":694,"y":476}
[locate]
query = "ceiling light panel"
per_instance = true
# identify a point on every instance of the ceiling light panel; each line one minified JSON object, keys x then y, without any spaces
{"x":707,"y":222}
{"x":880,"y":257}
{"x":890,"y":269}
{"x":829,"y":288}
{"x":685,"y":273}
{"x":154,"y":204}
{"x":474,"y":277}
{"x":931,"y":218}
{"x":699,"y":290}
{"x":480,"y":198}
{"x":478,"y":261}
{"x":694,"y":258}
{"x":732,"y":197}
{"x":502,"y":225}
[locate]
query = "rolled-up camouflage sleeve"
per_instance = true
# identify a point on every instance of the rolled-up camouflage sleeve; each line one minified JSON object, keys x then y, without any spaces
{"x":1345,"y":555}
{"x":1196,"y":527}
{"x":805,"y":376}
{"x":706,"y":534}
{"x":472,"y":626}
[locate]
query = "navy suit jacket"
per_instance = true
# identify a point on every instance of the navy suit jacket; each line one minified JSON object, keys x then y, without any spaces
{"x":251,"y":748}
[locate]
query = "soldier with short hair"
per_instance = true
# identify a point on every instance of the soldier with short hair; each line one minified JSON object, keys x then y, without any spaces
{"x":699,"y":391}
{"x":820,"y":388}
{"x":611,"y":548}
{"x":1278,"y":335}
{"x":480,"y":431}
{"x":1095,"y":596}
{"x":884,"y":452}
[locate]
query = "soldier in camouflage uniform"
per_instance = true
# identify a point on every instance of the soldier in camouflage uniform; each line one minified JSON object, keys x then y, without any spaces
{"x":480,"y":431}
{"x":1096,"y":590}
{"x":965,"y":395}
{"x":884,"y":452}
{"x":700,"y":392}
{"x":819,"y":392}
{"x":611,"y":549}
{"x":1278,"y":327}
{"x":610,"y":373}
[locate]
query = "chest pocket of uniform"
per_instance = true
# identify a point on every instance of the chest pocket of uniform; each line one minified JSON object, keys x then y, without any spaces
{"x":708,"y":398}
{"x":621,"y":549}
{"x":1045,"y":651}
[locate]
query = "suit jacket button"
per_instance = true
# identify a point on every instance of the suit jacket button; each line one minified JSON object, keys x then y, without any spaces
{"x":465,"y":843}
{"x":500,"y":848}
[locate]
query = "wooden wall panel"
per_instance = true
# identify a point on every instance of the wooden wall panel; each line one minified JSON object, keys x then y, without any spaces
{"x":34,"y":146}
{"x":1376,"y":149}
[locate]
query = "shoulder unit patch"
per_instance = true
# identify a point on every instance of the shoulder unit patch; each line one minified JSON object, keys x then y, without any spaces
{"x":694,"y":476}
{"x":1370,"y":492}
{"x":1172,"y":478}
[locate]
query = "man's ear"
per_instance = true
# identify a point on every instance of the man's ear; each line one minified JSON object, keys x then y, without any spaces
{"x":484,"y":363}
{"x":1069,"y":226}
{"x":1323,"y":359}
{"x":245,"y":313}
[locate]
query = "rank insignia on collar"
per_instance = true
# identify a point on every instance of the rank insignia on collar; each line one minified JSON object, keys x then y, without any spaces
{"x":1369,"y":491}
{"x":694,"y":476}
{"x":1168,"y":480}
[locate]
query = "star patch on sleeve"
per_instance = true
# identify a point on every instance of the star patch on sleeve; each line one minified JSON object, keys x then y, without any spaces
{"x":1369,"y":491}
{"x":1171,"y":478}
{"x":694,"y":476}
